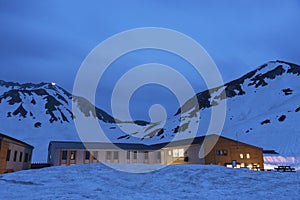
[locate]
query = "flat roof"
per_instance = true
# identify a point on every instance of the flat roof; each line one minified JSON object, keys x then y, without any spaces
{"x":133,"y":146}
{"x":14,"y":139}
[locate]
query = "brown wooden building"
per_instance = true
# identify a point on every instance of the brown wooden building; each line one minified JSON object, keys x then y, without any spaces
{"x":15,"y":155}
{"x":212,"y":149}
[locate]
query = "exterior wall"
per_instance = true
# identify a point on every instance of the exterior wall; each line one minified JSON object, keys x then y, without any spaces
{"x":17,"y":165}
{"x":234,"y":149}
{"x":206,"y":153}
{"x":190,"y":155}
{"x":193,"y":155}
{"x":14,"y":163}
{"x":3,"y":152}
{"x":56,"y":157}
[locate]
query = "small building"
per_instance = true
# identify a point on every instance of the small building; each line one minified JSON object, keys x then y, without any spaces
{"x":272,"y":160}
{"x":225,"y":152}
{"x":15,"y":155}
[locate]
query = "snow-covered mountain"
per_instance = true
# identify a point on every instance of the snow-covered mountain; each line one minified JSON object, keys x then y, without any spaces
{"x":38,"y":113}
{"x":263,"y":109}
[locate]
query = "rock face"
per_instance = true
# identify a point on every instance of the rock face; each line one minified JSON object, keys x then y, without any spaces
{"x":263,"y":109}
{"x":53,"y":102}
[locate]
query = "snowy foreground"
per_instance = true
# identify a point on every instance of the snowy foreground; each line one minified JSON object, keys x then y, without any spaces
{"x":98,"y":181}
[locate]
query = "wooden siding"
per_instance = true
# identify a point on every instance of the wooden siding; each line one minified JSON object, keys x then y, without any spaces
{"x":234,"y":149}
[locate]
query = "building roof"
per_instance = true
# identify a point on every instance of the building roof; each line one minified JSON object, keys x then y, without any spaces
{"x":270,"y":152}
{"x":131,"y":146}
{"x":2,"y":136}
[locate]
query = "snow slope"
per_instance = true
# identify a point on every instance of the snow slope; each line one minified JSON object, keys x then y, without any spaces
{"x":96,"y":181}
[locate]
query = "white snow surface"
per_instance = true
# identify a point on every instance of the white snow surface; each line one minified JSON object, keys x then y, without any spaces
{"x":97,"y":181}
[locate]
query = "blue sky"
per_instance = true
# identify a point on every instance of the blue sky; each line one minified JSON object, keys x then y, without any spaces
{"x":45,"y":41}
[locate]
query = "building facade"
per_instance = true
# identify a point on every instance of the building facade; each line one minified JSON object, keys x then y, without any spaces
{"x":215,"y":149}
{"x":15,"y":155}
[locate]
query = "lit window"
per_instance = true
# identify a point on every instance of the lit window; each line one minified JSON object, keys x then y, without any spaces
{"x":181,"y":152}
{"x":248,"y":155}
{"x":170,"y":153}
{"x":73,"y":155}
{"x":175,"y":153}
{"x":178,"y":153}
{"x":64,"y":155}
{"x":241,"y":156}
{"x":8,"y":155}
{"x":128,"y":155}
{"x":229,"y":166}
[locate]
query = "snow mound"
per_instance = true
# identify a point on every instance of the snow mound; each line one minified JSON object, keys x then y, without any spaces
{"x":96,"y":181}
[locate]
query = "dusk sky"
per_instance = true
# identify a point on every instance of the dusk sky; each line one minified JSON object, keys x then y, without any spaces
{"x":46,"y":41}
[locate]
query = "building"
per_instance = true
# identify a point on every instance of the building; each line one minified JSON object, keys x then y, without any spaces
{"x":225,"y":152}
{"x":15,"y":155}
{"x":272,"y":159}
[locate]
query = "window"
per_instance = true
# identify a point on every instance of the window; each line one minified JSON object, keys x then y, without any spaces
{"x":15,"y":156}
{"x":159,"y":155}
{"x":116,"y":155}
{"x":175,"y":153}
{"x":21,"y":157}
{"x":248,"y":155}
{"x":26,"y":157}
{"x":241,"y":156}
{"x":170,"y":153}
{"x":64,"y":155}
{"x":135,"y":155}
{"x":128,"y":155}
{"x":8,"y":155}
{"x":222,"y":152}
{"x":95,"y":155}
{"x":181,"y":152}
{"x":73,"y":155}
{"x":108,"y":155}
{"x":87,"y":155}
{"x":146,"y":155}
